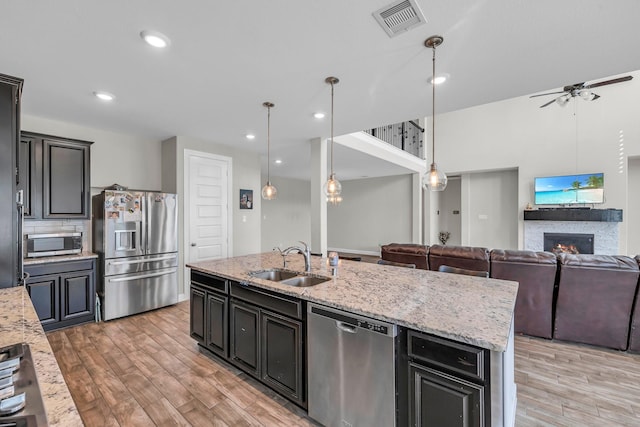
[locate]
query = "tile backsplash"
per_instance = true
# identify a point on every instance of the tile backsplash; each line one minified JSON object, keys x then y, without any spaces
{"x":56,"y":226}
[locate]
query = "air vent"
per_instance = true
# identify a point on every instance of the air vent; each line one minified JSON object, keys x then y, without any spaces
{"x":399,"y":17}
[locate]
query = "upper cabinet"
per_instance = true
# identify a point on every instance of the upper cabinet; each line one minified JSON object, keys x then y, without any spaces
{"x":55,"y":176}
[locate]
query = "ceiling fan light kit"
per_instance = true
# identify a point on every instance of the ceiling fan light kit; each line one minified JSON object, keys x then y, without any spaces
{"x":435,"y":180}
{"x":579,"y":89}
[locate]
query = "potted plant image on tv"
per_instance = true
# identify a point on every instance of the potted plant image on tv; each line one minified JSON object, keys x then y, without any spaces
{"x":585,"y":188}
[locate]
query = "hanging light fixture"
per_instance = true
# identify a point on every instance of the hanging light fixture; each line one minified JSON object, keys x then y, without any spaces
{"x":435,"y":180}
{"x":332,"y":188}
{"x":269,"y":192}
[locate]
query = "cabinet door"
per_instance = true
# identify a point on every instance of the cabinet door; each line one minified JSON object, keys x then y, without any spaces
{"x":244,"y":345}
{"x":27,"y":175}
{"x":197,"y":314}
{"x":438,"y":399}
{"x":77,"y":294}
{"x":65,"y":179}
{"x":217,"y":324}
{"x":282,"y":361}
{"x":44,"y":293}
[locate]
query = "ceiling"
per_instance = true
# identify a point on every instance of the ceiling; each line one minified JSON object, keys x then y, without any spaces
{"x":227,"y":58}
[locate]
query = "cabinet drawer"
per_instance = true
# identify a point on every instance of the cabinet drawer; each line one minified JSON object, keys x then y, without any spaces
{"x":282,"y":304}
{"x":58,"y":267}
{"x":210,"y":282}
{"x":456,"y":357}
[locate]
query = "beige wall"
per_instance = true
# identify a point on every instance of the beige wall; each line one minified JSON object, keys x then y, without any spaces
{"x":374,"y":212}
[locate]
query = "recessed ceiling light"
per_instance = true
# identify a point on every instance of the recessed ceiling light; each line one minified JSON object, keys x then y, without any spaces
{"x":439,"y":79}
{"x":318,"y":115}
{"x":278,"y":161}
{"x":250,"y":136}
{"x":105,"y":96}
{"x":155,"y":39}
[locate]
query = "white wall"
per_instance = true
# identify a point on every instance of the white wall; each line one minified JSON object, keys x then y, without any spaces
{"x":632,"y":215}
{"x":374,"y":212}
{"x":127,"y":160}
{"x":492,"y":213}
{"x":447,"y":220}
{"x":287,"y":219}
{"x":582,"y":137}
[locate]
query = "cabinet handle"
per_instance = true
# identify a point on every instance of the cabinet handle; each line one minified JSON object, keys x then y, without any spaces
{"x":464,"y":362}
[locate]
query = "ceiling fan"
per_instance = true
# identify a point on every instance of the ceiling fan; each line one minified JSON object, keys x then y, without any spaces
{"x":580,"y":89}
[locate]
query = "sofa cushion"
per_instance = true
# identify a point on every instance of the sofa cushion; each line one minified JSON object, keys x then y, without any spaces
{"x":406,"y":253}
{"x":536,"y":274}
{"x":467,"y":257}
{"x":595,"y":298}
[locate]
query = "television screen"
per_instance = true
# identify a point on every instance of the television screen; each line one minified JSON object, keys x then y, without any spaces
{"x":569,"y":189}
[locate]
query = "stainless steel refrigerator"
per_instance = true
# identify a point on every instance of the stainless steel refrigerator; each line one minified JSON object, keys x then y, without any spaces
{"x":135,"y":234}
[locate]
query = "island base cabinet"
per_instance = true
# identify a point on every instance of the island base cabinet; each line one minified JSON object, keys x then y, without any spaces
{"x":208,"y":319}
{"x":244,"y":350}
{"x":282,"y":354}
{"x":438,"y":399}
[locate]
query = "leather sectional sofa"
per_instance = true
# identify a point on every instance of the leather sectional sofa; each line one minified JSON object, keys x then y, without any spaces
{"x":589,"y":299}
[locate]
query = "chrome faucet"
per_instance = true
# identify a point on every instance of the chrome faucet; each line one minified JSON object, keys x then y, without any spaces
{"x":306,"y":252}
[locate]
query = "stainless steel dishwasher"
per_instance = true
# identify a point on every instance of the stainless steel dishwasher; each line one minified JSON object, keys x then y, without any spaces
{"x":351,"y":369}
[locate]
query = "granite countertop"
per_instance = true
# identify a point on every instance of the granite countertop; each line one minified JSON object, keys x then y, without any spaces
{"x":18,"y":324}
{"x":467,"y":309}
{"x":60,"y":258}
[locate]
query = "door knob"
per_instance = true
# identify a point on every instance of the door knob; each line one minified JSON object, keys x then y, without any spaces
{"x":193,"y":244}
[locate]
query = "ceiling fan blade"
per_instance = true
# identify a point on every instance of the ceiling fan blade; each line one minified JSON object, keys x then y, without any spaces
{"x":595,"y":96}
{"x":545,"y":94}
{"x":609,"y":82}
{"x":548,"y":103}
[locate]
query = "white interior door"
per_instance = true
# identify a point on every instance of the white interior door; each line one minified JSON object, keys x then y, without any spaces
{"x":208,"y":204}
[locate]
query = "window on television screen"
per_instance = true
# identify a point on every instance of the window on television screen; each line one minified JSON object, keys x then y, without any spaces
{"x":585,"y":188}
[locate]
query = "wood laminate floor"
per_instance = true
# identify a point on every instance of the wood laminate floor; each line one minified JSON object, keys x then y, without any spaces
{"x":145,"y":370}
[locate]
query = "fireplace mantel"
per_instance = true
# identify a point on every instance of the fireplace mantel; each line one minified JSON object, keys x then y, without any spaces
{"x":574,"y":214}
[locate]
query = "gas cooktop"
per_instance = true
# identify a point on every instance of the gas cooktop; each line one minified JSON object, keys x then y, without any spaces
{"x":20,"y":399}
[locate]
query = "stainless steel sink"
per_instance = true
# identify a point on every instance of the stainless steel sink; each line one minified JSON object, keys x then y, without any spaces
{"x":290,"y":278}
{"x":303,"y":281}
{"x":275,"y":274}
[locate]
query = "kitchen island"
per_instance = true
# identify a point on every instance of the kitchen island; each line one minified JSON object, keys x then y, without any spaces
{"x":19,"y":323}
{"x":462,"y":310}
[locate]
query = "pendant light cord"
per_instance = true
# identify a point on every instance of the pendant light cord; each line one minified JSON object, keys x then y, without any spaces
{"x":332,"y":128}
{"x":433,"y":107}
{"x":268,"y":145}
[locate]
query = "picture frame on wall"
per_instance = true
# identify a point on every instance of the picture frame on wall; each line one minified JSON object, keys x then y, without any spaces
{"x":246,"y":199}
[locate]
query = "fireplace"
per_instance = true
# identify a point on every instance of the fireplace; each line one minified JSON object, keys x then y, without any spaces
{"x":571,"y":243}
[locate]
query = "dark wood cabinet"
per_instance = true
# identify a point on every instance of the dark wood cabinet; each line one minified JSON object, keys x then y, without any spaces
{"x":448,"y":382}
{"x":44,"y":293}
{"x":197,"y":314}
{"x":244,"y":337}
{"x":10,"y":90}
{"x":258,"y":331}
{"x":55,"y":176}
{"x":62,"y":293}
{"x":438,"y":399}
{"x":208,"y":316}
{"x":281,"y":354}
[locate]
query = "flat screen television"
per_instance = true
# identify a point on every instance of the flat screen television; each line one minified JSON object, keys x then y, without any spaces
{"x":585,"y":188}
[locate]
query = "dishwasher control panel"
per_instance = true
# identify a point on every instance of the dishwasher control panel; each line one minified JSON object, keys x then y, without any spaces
{"x":354,"y":319}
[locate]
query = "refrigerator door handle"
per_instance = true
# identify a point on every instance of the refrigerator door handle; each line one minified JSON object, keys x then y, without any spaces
{"x":140,"y":276}
{"x":140,"y":261}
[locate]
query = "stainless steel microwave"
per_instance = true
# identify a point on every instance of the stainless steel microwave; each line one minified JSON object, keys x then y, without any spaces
{"x":52,"y":244}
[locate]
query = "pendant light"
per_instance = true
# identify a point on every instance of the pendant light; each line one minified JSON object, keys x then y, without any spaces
{"x":269,"y":192}
{"x":435,"y":180}
{"x":332,"y":188}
